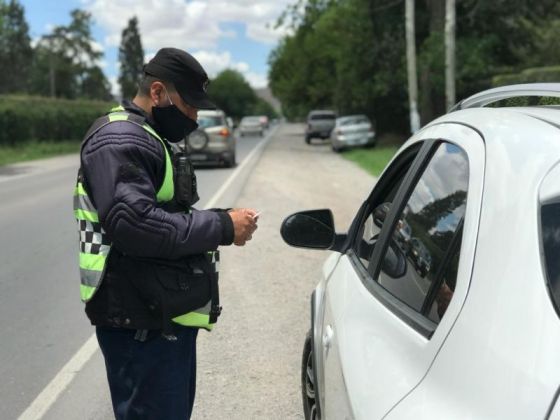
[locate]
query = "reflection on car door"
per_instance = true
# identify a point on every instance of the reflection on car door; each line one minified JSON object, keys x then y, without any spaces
{"x":392,"y":299}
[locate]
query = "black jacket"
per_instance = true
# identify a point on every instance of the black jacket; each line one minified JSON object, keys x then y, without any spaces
{"x":124,"y":167}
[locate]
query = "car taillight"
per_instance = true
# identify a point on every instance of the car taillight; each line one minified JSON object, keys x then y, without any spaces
{"x":224,"y":132}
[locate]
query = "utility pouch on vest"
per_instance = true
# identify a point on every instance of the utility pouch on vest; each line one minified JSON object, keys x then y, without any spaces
{"x":185,"y":180}
{"x":173,"y":288}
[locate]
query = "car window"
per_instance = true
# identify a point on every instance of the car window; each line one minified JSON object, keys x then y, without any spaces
{"x":210,"y":121}
{"x":322,"y":117}
{"x":418,"y":251}
{"x":550,"y":226}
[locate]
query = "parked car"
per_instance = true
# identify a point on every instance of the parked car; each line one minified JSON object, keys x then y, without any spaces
{"x":473,"y":331}
{"x":213,"y":142}
{"x":251,"y":126}
{"x":352,"y":131}
{"x":319,"y":124}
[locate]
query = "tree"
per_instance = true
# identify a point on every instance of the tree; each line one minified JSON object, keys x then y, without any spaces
{"x":66,"y":61}
{"x":232,"y":93}
{"x":16,"y":54}
{"x":131,"y":57}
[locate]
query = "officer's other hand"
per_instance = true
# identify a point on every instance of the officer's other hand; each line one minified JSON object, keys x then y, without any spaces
{"x":244,"y":224}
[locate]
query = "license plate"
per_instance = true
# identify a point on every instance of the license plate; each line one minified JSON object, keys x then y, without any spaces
{"x":198,"y":156}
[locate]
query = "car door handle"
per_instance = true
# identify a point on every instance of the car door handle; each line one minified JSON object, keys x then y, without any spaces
{"x":328,"y":335}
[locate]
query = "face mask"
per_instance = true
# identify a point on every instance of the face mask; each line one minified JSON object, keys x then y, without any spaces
{"x":172,"y":123}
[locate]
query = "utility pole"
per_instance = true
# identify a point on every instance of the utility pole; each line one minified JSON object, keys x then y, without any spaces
{"x":411,"y":66}
{"x":450,"y":53}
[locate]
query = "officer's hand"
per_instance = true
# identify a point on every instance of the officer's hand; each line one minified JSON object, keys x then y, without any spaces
{"x":244,"y":224}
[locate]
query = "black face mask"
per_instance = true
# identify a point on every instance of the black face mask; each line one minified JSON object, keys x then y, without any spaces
{"x":172,"y":123}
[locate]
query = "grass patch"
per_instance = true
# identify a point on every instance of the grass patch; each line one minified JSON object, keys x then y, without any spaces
{"x":372,"y":160}
{"x":36,"y":150}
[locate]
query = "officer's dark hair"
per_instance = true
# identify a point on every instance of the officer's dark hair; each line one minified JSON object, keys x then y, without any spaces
{"x":146,"y":83}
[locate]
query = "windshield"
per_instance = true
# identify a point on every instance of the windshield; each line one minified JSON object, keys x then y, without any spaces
{"x":207,"y":121}
{"x":322,"y":117}
{"x":251,"y":120}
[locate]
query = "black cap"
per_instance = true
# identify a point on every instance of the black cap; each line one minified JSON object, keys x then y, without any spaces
{"x":185,"y":72}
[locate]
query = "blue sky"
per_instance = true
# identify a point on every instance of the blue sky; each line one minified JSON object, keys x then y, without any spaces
{"x":220,"y":33}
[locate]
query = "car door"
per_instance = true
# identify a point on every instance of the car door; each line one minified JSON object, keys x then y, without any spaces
{"x":394,"y":295}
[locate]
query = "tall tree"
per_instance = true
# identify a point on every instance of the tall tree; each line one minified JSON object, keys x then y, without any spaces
{"x":232,"y":93}
{"x":66,"y":59}
{"x":16,"y":54}
{"x":131,"y":57}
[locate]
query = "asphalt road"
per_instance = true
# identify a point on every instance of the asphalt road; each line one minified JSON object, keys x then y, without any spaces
{"x":42,"y":324}
{"x":249,"y":366}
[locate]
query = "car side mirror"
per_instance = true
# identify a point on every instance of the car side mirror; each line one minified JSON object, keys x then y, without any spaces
{"x":394,"y":263}
{"x":380,"y":214}
{"x":309,"y":229}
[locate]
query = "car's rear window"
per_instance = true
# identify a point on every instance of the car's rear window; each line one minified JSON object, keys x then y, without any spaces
{"x":251,"y":120}
{"x":550,"y":225}
{"x":322,"y":117}
{"x":206,"y":121}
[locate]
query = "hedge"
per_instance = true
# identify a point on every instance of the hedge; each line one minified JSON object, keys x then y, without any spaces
{"x":25,"y":118}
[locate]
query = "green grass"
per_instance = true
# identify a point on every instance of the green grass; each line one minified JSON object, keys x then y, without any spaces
{"x":36,"y":150}
{"x":372,"y":160}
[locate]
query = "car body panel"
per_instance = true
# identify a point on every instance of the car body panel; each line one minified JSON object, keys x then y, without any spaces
{"x":500,"y":360}
{"x":369,"y":337}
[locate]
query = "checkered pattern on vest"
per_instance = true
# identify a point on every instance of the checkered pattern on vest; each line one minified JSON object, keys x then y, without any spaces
{"x":93,"y":239}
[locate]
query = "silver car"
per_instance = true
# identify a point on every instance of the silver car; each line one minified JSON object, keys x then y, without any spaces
{"x":251,"y":126}
{"x":352,"y":131}
{"x":213,"y":142}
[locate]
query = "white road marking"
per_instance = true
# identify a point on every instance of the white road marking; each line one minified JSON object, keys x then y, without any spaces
{"x":38,"y":408}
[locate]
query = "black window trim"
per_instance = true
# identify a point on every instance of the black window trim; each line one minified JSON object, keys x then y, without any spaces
{"x":416,"y":320}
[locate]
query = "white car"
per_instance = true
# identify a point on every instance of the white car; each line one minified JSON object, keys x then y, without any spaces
{"x":251,"y":126}
{"x":352,"y":131}
{"x":469,"y":327}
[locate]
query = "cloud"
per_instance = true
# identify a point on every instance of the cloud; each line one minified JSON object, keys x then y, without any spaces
{"x":215,"y":62}
{"x":195,"y":25}
{"x":189,"y":25}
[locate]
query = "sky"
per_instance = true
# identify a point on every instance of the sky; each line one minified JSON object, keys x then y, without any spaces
{"x":221,"y":34}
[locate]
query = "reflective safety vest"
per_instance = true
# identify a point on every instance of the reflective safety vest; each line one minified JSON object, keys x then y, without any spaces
{"x":95,"y":245}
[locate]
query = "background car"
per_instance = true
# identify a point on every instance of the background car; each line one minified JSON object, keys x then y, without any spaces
{"x":352,"y":131}
{"x":251,"y":125}
{"x":213,"y":142}
{"x":319,"y":124}
{"x":469,"y":327}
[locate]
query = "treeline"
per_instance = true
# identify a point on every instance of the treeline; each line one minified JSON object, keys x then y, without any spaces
{"x":63,"y":63}
{"x":350,"y":55}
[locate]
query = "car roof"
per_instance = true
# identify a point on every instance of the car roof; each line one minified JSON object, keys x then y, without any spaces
{"x":211,"y":113}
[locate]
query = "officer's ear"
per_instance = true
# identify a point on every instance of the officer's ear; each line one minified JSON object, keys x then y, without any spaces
{"x":157,"y":92}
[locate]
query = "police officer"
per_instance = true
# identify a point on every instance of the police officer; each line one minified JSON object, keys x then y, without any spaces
{"x":148,"y":259}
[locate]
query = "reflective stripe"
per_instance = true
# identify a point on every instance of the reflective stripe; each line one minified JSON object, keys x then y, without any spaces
{"x":86,"y":292}
{"x":117,"y":116}
{"x":92,"y":261}
{"x":89,"y":277}
{"x":86,"y":215}
{"x":80,"y":190}
{"x":194,"y":319}
{"x":82,"y":202}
